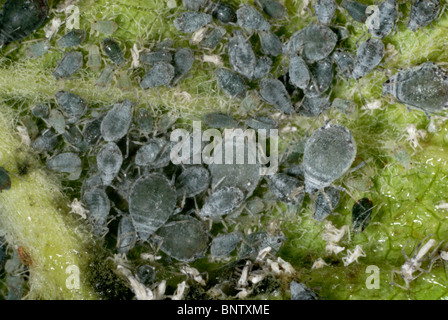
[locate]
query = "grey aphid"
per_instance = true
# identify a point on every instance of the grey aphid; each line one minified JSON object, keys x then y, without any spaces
{"x":241,"y":55}
{"x":126,"y":236}
{"x":115,"y":124}
{"x":299,"y":291}
{"x":41,"y":111}
{"x":74,"y":137}
{"x":243,"y":171}
{"x":286,"y":188}
{"x":321,"y":78}
{"x":20,"y":18}
{"x":223,"y":245}
{"x":146,"y":274}
{"x":250,"y":19}
{"x":326,"y":201}
{"x":314,"y":106}
{"x":191,"y":21}
{"x":56,"y":120}
{"x":423,"y":87}
{"x":144,"y":120}
{"x":212,"y":37}
{"x":71,"y":62}
{"x":192,"y":181}
{"x":5,"y":184}
{"x":164,"y":157}
{"x":92,"y":181}
{"x":262,"y":67}
{"x":222,"y":12}
{"x":255,"y":205}
{"x":324,"y":10}
{"x":345,"y":61}
{"x":67,"y":163}
{"x":183,"y":62}
{"x":231,"y":83}
{"x":361,"y":214}
{"x":151,"y":202}
{"x":272,"y":8}
{"x":423,"y":12}
{"x":148,"y":153}
{"x":194,"y":5}
{"x":262,"y":122}
{"x":220,"y":120}
{"x":222,"y":202}
{"x":368,"y":56}
{"x":72,"y":39}
{"x":296,"y":171}
{"x":270,"y":43}
{"x":329,"y":153}
{"x":184,"y":238}
{"x":46,"y":142}
{"x":257,"y":241}
{"x":112,"y":49}
{"x":98,"y":206}
{"x":160,"y":74}
{"x":299,"y":74}
{"x":356,"y":10}
{"x":38,"y":49}
{"x":382,"y":20}
{"x":92,"y":131}
{"x":14,"y":284}
{"x":314,"y":42}
{"x":72,"y":105}
{"x":161,"y":55}
{"x":109,"y":160}
{"x":274,"y":92}
{"x":342,"y":32}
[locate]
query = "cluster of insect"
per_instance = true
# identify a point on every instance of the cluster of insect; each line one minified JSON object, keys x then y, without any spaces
{"x":132,"y":192}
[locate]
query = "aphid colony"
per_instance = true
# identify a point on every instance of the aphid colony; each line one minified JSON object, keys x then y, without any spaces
{"x":123,"y":155}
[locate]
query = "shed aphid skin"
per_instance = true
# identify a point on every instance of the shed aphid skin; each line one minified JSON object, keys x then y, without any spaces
{"x":382,"y":18}
{"x":414,"y":263}
{"x":191,"y":21}
{"x":319,"y":264}
{"x":332,"y":236}
{"x":413,"y":135}
{"x":152,"y":200}
{"x":328,"y":154}
{"x":368,"y":56}
{"x":324,"y":10}
{"x":423,"y":87}
{"x":71,"y":62}
{"x":251,"y":19}
{"x":77,"y":207}
{"x":20,"y":18}
{"x":353,"y":256}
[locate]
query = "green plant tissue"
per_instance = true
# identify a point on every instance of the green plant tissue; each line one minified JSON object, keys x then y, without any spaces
{"x":402,"y":154}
